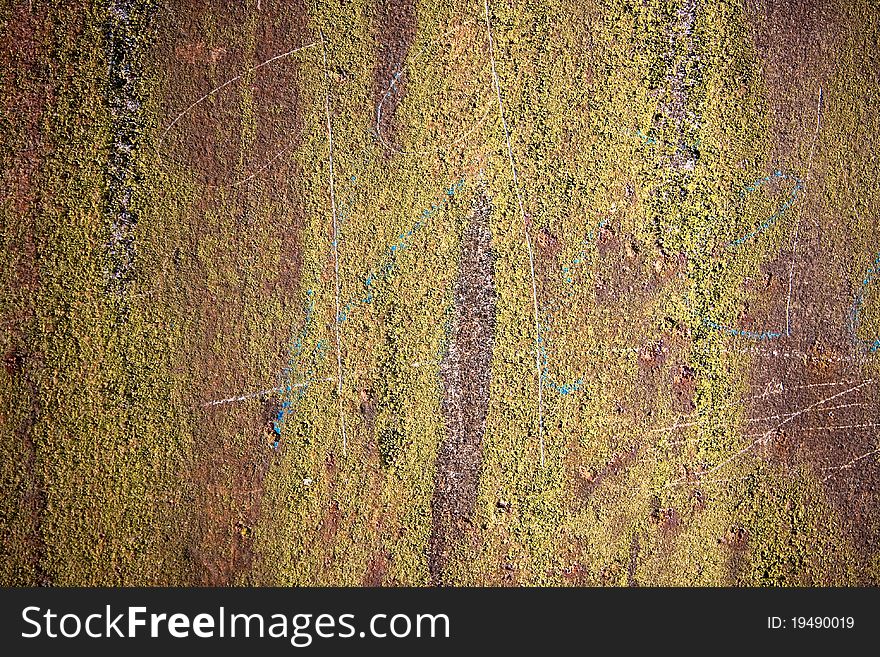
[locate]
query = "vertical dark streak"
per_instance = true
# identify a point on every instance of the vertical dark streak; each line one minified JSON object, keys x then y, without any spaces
{"x":465,"y":374}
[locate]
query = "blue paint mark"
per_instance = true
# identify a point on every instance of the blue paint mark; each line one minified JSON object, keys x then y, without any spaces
{"x":765,"y":335}
{"x":645,"y":138}
{"x":294,"y":367}
{"x":873,"y":345}
{"x":776,"y":175}
{"x":581,"y":257}
{"x":387,"y":263}
{"x":562,"y":388}
{"x":296,"y":371}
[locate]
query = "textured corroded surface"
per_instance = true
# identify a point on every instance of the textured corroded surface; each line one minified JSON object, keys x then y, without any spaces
{"x":352,"y":293}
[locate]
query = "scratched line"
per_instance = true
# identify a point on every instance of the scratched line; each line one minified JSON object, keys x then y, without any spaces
{"x":763,"y":437}
{"x":392,"y":85}
{"x":230,"y":81}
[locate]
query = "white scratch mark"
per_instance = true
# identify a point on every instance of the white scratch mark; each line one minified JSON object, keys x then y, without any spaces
{"x":261,"y":393}
{"x":525,"y":233}
{"x":392,"y":84}
{"x":847,"y":466}
{"x":772,"y":389}
{"x":764,"y":437}
{"x":230,"y":81}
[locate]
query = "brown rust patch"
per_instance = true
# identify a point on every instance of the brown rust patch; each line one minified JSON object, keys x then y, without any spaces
{"x":209,"y":139}
{"x":634,"y":548}
{"x":395,"y":25}
{"x":684,"y":385}
{"x":227,"y":478}
{"x":835,"y":439}
{"x":626,"y":272}
{"x":284,"y":284}
{"x":31,"y":497}
{"x":668,"y":521}
{"x":653,"y":356}
{"x":796,"y":42}
{"x":547,"y":243}
{"x":377,"y":569}
{"x":367,"y":407}
{"x":221,"y":144}
{"x":589,"y":479}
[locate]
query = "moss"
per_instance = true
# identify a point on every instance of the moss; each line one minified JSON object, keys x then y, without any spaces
{"x":636,"y":129}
